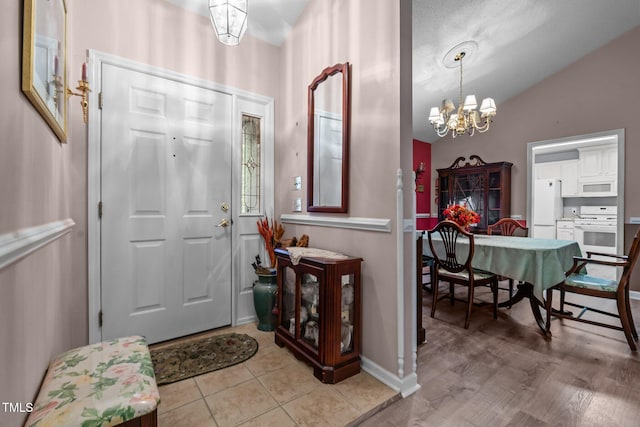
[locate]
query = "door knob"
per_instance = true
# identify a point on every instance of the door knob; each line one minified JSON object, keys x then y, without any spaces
{"x":224,"y":222}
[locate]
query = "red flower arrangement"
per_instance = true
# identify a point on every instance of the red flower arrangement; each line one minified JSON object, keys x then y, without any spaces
{"x":461,"y":215}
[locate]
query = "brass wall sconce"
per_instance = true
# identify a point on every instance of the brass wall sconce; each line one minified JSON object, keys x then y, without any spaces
{"x":420,"y":170}
{"x":83,"y":91}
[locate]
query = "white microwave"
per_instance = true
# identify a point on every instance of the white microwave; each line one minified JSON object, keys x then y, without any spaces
{"x":600,"y":188}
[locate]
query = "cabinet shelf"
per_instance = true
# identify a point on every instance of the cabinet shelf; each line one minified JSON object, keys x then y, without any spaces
{"x":319,"y":313}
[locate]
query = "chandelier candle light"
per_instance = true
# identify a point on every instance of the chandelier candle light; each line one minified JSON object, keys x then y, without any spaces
{"x":465,"y":119}
{"x":229,"y":19}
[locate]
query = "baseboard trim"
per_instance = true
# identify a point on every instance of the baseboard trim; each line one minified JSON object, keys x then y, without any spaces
{"x":18,"y":244}
{"x":354,"y":223}
{"x":405,"y":386}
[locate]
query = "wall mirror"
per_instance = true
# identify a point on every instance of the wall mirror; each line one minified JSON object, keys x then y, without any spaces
{"x":328,"y":141}
{"x":44,"y":62}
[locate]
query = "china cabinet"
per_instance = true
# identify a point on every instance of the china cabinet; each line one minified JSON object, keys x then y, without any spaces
{"x":319,"y":313}
{"x":484,"y":187}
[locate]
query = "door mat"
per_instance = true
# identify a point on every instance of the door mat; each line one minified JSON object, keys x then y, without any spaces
{"x":185,"y":360}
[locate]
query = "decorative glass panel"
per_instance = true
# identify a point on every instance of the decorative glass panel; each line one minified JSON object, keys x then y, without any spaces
{"x":250,"y":192}
{"x":310,"y":309}
{"x":288,"y":308}
{"x":347,"y":313}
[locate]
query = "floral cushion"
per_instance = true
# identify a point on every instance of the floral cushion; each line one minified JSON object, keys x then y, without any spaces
{"x":101,"y":384}
{"x":591,"y":282}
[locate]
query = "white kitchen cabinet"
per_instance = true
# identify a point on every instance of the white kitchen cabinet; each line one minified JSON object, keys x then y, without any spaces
{"x":610,"y":162}
{"x":569,"y":178}
{"x":564,"y":170}
{"x":564,"y":230}
{"x":598,"y":162}
{"x":598,"y":171}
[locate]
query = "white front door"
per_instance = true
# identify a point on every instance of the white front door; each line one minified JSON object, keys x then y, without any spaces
{"x":166,"y":193}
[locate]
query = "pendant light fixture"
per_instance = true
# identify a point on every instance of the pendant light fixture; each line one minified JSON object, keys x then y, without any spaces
{"x":464,"y":118}
{"x":229,"y":19}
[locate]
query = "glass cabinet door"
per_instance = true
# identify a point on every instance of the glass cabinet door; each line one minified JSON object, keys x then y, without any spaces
{"x":288,"y":308}
{"x":310,"y":309}
{"x":347,"y":313}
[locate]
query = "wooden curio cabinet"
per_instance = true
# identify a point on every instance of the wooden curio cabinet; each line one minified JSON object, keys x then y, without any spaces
{"x":319,"y":313}
{"x":484,"y":187}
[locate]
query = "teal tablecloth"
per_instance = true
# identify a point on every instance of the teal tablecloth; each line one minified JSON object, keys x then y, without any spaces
{"x":541,"y":262}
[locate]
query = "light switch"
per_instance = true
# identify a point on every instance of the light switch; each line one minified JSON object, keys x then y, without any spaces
{"x":634,"y":220}
{"x":297,"y":204}
{"x":297,"y":183}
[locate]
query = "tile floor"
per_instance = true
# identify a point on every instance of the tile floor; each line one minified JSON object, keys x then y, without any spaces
{"x":272,"y":388}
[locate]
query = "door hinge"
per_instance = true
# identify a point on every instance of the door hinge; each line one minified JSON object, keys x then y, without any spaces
{"x":100,"y":319}
{"x":100,"y":209}
{"x":100,"y":100}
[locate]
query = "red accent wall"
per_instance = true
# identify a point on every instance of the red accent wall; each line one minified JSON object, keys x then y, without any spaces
{"x":422,"y":153}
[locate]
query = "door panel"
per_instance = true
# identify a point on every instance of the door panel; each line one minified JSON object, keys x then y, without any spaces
{"x":166,"y":169}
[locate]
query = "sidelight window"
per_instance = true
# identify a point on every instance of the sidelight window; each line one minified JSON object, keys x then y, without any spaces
{"x":250,"y":192}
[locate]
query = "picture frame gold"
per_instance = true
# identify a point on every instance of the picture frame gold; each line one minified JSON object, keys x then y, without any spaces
{"x":44,"y":61}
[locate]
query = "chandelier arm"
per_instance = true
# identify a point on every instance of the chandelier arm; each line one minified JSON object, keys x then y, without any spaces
{"x":440,"y":132}
{"x":484,"y":128}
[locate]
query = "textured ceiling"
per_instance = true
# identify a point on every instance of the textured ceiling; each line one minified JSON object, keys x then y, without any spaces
{"x":519,"y":43}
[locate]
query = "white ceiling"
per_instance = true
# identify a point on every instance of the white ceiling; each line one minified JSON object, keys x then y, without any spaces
{"x":519,"y":42}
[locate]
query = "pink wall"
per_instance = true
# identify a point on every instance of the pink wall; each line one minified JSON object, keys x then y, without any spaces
{"x":43,"y":298}
{"x":365,"y":33}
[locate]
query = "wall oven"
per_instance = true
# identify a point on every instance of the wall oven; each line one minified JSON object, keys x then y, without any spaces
{"x":596,"y":229}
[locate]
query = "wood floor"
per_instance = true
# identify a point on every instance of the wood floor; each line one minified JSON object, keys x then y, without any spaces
{"x":505,"y":373}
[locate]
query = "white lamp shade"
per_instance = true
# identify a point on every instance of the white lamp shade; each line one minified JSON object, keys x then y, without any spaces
{"x":229,"y":19}
{"x":470,"y":103}
{"x":434,"y":115}
{"x":447,"y":106}
{"x":488,"y":106}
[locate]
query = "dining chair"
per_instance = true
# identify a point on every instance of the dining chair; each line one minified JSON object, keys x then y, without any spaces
{"x":508,"y":227}
{"x":453,"y":253}
{"x":428,"y":264}
{"x":578,"y":281}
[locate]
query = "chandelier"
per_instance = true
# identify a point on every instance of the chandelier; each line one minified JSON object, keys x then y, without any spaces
{"x":229,"y":19}
{"x":464,"y":119}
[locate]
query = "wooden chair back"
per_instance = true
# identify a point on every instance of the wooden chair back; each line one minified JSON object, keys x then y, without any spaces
{"x":580,"y":283}
{"x":450,"y":233}
{"x":508,"y":227}
{"x":627,"y":262}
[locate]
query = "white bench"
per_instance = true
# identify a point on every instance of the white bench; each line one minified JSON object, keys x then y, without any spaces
{"x":105,"y":384}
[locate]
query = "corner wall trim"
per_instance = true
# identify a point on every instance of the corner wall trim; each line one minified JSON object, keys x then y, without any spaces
{"x":20,"y":243}
{"x":405,"y":386}
{"x":355,"y":223}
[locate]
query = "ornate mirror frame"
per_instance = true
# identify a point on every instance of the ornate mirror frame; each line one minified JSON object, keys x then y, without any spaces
{"x":44,"y":61}
{"x":316,"y":200}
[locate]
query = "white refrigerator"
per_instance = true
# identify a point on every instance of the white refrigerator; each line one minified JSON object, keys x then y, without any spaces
{"x":547,"y":208}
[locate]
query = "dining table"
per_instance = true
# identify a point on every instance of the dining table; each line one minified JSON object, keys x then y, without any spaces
{"x":537,"y":264}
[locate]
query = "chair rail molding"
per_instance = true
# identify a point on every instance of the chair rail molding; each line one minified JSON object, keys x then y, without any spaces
{"x":355,"y":223}
{"x":18,"y":244}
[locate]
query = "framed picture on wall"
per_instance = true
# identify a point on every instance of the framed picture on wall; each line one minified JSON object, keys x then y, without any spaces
{"x":44,"y":61}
